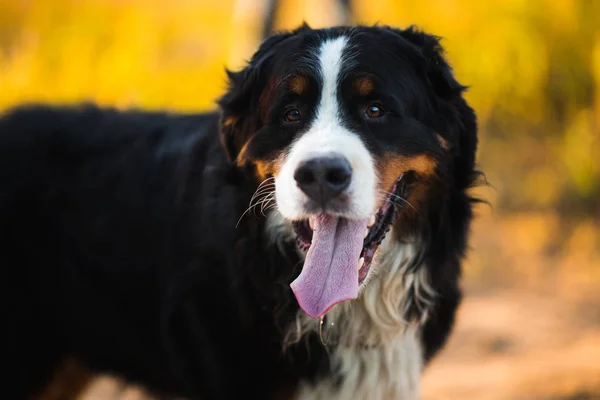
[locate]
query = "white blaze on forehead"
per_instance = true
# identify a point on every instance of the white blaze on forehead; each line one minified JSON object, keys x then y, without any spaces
{"x":327,"y":134}
{"x":330,"y":63}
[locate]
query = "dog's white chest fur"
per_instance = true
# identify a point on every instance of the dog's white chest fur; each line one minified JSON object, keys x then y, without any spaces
{"x":386,"y":372}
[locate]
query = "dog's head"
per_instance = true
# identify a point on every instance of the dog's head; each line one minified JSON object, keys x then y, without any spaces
{"x":356,"y":129}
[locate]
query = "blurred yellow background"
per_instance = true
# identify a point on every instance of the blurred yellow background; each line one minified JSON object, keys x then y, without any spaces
{"x":530,"y":324}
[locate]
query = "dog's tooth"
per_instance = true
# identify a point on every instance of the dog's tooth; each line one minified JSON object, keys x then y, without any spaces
{"x":361,"y":262}
{"x":366,"y":232}
{"x":311,"y":224}
{"x":372,"y":220}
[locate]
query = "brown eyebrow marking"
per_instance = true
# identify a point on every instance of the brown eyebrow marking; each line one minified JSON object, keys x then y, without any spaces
{"x":364,"y":85}
{"x":268,"y":94}
{"x":298,"y":84}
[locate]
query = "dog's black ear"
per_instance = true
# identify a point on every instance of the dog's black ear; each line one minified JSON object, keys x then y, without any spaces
{"x":235,"y":118}
{"x":240,"y":116}
{"x":303,"y":27}
{"x":457,"y":112}
{"x":438,"y":71}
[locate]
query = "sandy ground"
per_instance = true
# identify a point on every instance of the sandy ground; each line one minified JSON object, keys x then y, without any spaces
{"x":517,"y":346}
{"x":509,"y":345}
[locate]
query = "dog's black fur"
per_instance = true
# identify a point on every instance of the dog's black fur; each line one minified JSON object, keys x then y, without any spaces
{"x":119,"y":246}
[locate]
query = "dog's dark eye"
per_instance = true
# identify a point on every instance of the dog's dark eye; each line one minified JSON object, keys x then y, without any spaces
{"x":292,"y":115}
{"x":373,"y":111}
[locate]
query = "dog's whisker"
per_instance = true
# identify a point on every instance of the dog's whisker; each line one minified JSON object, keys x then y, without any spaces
{"x":265,"y":202}
{"x":261,"y":193}
{"x":259,"y":198}
{"x":270,"y":180}
{"x":242,"y":216}
{"x":394,"y":195}
{"x":268,"y":187}
{"x":262,"y":190}
{"x":265,"y":183}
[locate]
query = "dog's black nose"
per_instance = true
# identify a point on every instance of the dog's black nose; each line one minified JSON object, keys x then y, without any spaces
{"x":323,"y":178}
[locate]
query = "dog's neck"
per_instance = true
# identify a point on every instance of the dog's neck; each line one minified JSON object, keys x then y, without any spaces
{"x":379,"y":316}
{"x":374,"y":348}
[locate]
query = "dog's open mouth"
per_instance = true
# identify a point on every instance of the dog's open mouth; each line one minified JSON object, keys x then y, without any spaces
{"x":339,"y":252}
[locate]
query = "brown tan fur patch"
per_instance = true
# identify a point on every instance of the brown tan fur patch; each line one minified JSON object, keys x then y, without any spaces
{"x":364,"y":85}
{"x":229,"y":121}
{"x":241,"y":157}
{"x":299,"y":84}
{"x":408,"y":219}
{"x":268,"y":93}
{"x":391,"y":166}
{"x":264,"y":169}
{"x":69,"y":380}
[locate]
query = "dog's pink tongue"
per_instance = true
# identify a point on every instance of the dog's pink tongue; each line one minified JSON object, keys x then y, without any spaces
{"x":330,"y":272}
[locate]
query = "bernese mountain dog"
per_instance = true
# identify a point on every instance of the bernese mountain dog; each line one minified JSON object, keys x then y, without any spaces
{"x":304,"y":241}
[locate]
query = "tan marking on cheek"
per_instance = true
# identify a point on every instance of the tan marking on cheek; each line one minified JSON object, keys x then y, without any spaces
{"x":264,"y":168}
{"x":419,"y":194}
{"x":391,"y":166}
{"x":443,"y":142}
{"x":422,"y":164}
{"x":364,"y":85}
{"x":299,"y":84}
{"x":267,"y":168}
{"x":407,"y":219}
